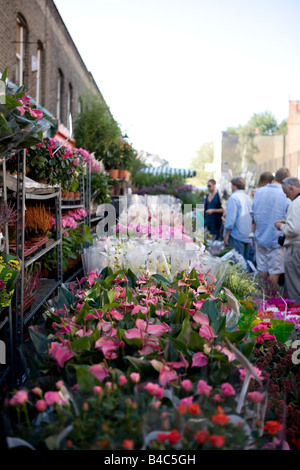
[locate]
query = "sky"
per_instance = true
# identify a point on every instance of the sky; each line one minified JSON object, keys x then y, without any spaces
{"x":175,"y":74}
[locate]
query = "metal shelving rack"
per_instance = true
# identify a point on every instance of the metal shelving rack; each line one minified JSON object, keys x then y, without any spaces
{"x":6,"y":318}
{"x":88,"y":194}
{"x":46,"y":287}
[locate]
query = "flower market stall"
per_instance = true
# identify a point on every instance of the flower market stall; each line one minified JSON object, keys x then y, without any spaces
{"x":129,"y":334}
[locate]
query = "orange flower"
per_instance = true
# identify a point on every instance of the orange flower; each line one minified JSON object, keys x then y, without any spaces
{"x":201,"y":436}
{"x":217,"y":441}
{"x":220,"y":419}
{"x":272,"y":427}
{"x":181,"y":409}
{"x":194,"y":409}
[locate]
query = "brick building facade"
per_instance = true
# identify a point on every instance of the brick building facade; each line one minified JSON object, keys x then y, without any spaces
{"x":39,"y":52}
{"x":273,"y":152}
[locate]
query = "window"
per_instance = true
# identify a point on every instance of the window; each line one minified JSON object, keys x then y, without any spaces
{"x":60,"y":86}
{"x":69,"y":108}
{"x":20,"y":50}
{"x":39,"y":60}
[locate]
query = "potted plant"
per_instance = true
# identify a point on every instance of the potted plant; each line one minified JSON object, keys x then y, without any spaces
{"x":8,"y":216}
{"x":21,"y":123}
{"x":37,"y":220}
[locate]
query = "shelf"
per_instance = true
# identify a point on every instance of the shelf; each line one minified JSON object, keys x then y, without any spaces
{"x":75,"y":206}
{"x":45,"y":289}
{"x":42,"y":196}
{"x":51,"y":244}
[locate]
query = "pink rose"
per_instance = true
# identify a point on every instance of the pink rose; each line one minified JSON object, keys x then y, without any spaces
{"x":135,"y":377}
{"x":186,"y":384}
{"x":122,"y":380}
{"x":41,"y":405}
{"x":203,"y":388}
{"x":227,"y":390}
{"x":255,"y":397}
{"x":52,"y":398}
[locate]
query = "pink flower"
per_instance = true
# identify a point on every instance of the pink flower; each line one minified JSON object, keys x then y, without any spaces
{"x":122,"y":380}
{"x":227,"y":389}
{"x":52,"y":398}
{"x":156,"y":404}
{"x":59,"y":384}
{"x":61,"y":352}
{"x":256,"y":369}
{"x":186,"y":384}
{"x":166,"y":375}
{"x":135,"y":377}
{"x":19,"y":398}
{"x":187,"y":400}
{"x":177,"y":365}
{"x":99,"y":371}
{"x":206,"y":332}
{"x":41,"y":405}
{"x":217,"y":397}
{"x":262,"y":326}
{"x":203,"y":388}
{"x":98,"y":390}
{"x":151,"y":388}
{"x":37,"y":391}
{"x":255,"y":397}
{"x":199,"y":360}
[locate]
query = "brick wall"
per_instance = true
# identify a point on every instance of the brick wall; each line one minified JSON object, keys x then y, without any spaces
{"x":44,"y":25}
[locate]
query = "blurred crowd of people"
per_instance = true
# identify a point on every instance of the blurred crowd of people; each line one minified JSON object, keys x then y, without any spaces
{"x":263,"y":225}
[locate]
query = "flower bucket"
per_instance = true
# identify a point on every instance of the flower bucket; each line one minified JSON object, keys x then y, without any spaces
{"x":114,"y":173}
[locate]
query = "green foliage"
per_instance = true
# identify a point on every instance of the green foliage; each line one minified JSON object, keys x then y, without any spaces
{"x":204,"y":155}
{"x":100,"y":188}
{"x":95,"y":129}
{"x":21,"y":125}
{"x":239,"y":282}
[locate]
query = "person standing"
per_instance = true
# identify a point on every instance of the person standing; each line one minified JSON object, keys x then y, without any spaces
{"x":290,"y":228}
{"x":270,"y":204}
{"x":238,"y":219}
{"x":213,"y":210}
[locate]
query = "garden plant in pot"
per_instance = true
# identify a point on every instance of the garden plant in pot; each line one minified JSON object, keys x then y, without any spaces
{"x":37,"y":220}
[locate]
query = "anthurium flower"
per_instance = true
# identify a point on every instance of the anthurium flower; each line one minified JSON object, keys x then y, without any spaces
{"x":61,"y":352}
{"x":207,"y":332}
{"x":201,"y":318}
{"x":199,"y":360}
{"x":139,"y":308}
{"x":183,"y":363}
{"x":166,"y":375}
{"x":99,"y":371}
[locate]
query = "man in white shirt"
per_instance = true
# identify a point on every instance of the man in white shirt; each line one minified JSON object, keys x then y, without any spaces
{"x":291,"y":231}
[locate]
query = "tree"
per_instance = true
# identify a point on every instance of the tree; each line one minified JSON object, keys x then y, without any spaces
{"x":95,"y":128}
{"x":204,"y":155}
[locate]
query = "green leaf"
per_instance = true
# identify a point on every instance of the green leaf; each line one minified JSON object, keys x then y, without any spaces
{"x":209,"y":307}
{"x":181,"y":346}
{"x":161,"y":278}
{"x":85,"y":309}
{"x":196,"y":342}
{"x":141,"y":365}
{"x":132,"y":278}
{"x":86,"y":380}
{"x":281,"y":329}
{"x":235,"y":336}
{"x":65,"y":298}
{"x":11,"y":102}
{"x":40,"y":342}
{"x":4,"y":75}
{"x":81,"y":344}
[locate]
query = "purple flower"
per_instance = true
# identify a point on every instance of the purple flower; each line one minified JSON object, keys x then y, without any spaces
{"x":2,"y":285}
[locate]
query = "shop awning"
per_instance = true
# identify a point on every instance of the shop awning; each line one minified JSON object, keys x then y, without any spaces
{"x":167,"y":170}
